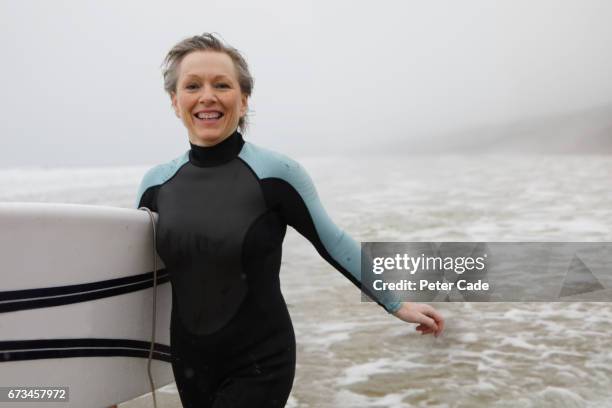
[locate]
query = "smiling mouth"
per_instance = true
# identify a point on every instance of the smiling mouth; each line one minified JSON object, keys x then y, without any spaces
{"x":208,"y":116}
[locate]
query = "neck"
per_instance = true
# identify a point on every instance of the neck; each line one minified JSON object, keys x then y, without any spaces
{"x":207,"y":156}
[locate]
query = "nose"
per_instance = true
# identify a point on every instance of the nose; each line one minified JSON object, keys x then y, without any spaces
{"x":207,"y":96}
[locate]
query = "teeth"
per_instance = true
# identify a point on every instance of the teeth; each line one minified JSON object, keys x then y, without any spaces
{"x":212,"y":115}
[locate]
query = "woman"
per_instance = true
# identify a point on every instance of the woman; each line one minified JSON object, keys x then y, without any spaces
{"x":223,"y":207}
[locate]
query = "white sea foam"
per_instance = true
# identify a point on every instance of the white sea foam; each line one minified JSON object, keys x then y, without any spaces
{"x":361,"y":372}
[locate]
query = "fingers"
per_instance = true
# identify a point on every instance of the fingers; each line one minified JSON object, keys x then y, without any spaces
{"x":434,"y":314}
{"x":437,"y":317}
{"x":440,"y":325}
{"x":427,"y":326}
{"x":434,"y":325}
{"x":424,"y":330}
{"x":429,"y":319}
{"x":429,"y":322}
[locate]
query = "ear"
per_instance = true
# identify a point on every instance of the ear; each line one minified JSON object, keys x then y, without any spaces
{"x":175,"y":105}
{"x":244,"y":105}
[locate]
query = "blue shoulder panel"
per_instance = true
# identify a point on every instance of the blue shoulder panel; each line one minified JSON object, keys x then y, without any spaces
{"x":160,"y":174}
{"x":342,"y":248}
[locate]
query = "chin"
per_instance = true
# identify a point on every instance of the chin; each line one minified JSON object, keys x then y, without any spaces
{"x":208,"y":139}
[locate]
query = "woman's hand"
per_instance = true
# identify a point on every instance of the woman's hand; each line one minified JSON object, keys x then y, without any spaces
{"x":429,"y":319}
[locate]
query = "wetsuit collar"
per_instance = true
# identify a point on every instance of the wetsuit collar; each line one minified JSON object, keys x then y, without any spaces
{"x":218,"y":154}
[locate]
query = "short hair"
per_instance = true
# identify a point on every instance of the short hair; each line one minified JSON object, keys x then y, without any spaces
{"x":204,"y":42}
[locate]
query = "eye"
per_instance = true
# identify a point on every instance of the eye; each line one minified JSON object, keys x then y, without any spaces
{"x":222,"y":85}
{"x":191,"y":86}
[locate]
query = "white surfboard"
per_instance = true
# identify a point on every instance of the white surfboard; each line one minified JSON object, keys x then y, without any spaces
{"x":76,"y":298}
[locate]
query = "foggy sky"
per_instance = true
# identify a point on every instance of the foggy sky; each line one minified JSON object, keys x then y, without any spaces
{"x":82,"y":84}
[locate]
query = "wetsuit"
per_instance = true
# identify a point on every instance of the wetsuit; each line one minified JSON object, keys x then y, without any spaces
{"x":223,"y":213}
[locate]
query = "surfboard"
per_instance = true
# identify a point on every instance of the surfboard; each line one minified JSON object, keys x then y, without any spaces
{"x":76,"y":301}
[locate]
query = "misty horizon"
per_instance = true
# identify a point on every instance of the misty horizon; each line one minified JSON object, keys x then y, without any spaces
{"x":84,"y":87}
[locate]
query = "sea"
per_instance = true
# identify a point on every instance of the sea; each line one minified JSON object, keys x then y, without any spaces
{"x":352,"y":353}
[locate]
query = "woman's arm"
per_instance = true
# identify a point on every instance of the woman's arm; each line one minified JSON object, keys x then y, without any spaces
{"x":288,"y":188}
{"x":295,"y":196}
{"x":305,"y":212}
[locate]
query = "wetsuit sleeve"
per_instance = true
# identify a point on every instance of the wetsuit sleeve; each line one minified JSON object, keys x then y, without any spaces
{"x":302,"y":209}
{"x":145,"y":196}
{"x":154,"y":178}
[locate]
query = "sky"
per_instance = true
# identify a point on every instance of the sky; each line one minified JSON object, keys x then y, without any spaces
{"x":82,"y":81}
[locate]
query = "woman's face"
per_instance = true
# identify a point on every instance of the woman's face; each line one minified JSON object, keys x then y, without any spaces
{"x":208,"y":86}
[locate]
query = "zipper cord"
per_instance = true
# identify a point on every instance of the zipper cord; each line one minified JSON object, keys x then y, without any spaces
{"x":154,"y":306}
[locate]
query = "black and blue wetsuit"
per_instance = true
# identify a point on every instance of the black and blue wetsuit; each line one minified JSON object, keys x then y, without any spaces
{"x":223,"y":213}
